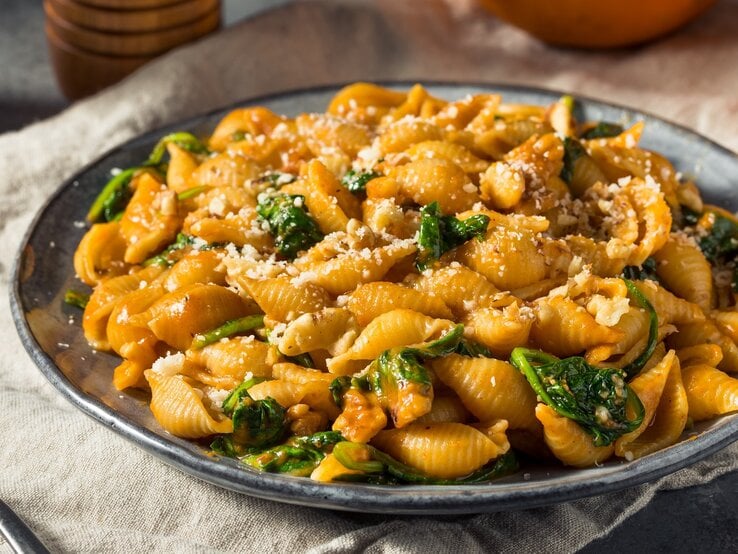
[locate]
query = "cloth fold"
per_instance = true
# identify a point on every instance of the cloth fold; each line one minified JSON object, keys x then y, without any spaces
{"x":83,"y":488}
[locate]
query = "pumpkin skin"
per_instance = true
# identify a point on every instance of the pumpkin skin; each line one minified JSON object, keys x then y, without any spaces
{"x":587,"y":24}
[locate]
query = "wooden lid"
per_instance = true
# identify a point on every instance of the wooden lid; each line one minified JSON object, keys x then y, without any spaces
{"x":81,"y":73}
{"x":132,"y":21}
{"x":130,"y":44}
{"x":128,"y":4}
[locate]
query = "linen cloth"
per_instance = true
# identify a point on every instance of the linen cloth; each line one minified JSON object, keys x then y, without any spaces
{"x":84,"y":489}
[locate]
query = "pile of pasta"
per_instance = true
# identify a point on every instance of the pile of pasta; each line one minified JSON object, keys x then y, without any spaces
{"x":409,"y":289}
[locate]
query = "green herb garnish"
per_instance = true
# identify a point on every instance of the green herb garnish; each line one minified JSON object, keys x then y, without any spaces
{"x":647,"y":270}
{"x":289,"y":223}
{"x":573,"y":150}
{"x":603,"y":129}
{"x":76,"y":298}
{"x":596,"y":398}
{"x":256,"y":423}
{"x":440,"y":233}
{"x":299,"y":456}
{"x":356,"y":181}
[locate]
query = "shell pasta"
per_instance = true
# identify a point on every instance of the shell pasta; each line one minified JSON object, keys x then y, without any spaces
{"x":408,"y":290}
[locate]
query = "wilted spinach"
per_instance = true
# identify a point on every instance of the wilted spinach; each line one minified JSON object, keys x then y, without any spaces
{"x":289,"y":223}
{"x":440,"y":233}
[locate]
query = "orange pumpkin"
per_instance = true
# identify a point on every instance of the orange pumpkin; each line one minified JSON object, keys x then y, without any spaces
{"x":585,"y":23}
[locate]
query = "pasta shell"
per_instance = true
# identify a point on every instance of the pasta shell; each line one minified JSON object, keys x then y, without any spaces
{"x":99,"y":253}
{"x":509,"y":258}
{"x":200,"y":266}
{"x":179,"y":408}
{"x":571,"y":444}
{"x":236,"y":357}
{"x":396,"y":328}
{"x":710,"y":392}
{"x":331,"y":329}
{"x":500,"y":330}
{"x":120,"y":331}
{"x":323,"y":208}
{"x":490,"y":389}
{"x":255,"y":120}
{"x":455,"y":153}
{"x":228,"y":169}
{"x":345,"y":272}
{"x":564,"y":328}
{"x":364,"y":102}
{"x":181,"y":165}
{"x":459,"y":287}
{"x":330,"y":132}
{"x":663,"y":398}
{"x":180,"y":315}
{"x":400,"y":135}
{"x":373,"y":299}
{"x":686,"y":272}
{"x":436,"y":180}
{"x":151,"y":220}
{"x":103,"y":300}
{"x":443,"y":450}
{"x":703,"y":333}
{"x":445,"y":409}
{"x":284,"y":299}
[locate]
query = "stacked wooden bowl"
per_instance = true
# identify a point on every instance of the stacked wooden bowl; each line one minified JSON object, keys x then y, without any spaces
{"x":95,"y":43}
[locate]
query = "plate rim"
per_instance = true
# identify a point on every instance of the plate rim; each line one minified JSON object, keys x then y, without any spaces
{"x":455,"y":499}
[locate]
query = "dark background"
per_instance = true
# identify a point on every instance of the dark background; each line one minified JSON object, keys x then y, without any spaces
{"x":697,"y":519}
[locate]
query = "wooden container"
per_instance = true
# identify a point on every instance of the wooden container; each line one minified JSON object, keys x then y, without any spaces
{"x":130,"y":44}
{"x":132,"y":21}
{"x":129,"y":4}
{"x":81,"y":73}
{"x":95,"y":43}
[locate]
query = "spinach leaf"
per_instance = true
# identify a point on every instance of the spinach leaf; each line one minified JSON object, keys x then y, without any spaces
{"x":340,"y":385}
{"x":289,"y":223}
{"x":722,"y":241}
{"x":573,"y":150}
{"x":182,"y":241}
{"x":472,"y":349}
{"x":636,"y":365}
{"x":647,"y":270}
{"x":298,"y":456}
{"x":378,"y":467}
{"x":440,"y":233}
{"x":76,"y":298}
{"x":277,"y":179}
{"x":401,"y":381}
{"x":689,"y":216}
{"x":720,"y":245}
{"x":356,"y":181}
{"x":596,"y":398}
{"x":256,"y":423}
{"x":603,"y":129}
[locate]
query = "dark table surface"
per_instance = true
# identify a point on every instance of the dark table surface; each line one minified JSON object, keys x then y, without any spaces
{"x":697,"y":519}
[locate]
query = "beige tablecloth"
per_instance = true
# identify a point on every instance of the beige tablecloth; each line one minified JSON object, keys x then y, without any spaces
{"x":82,"y":488}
